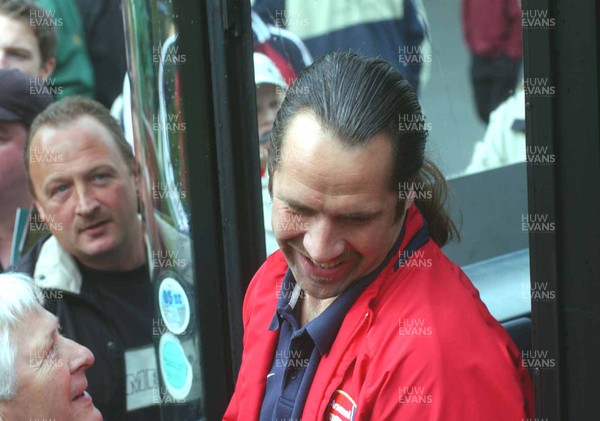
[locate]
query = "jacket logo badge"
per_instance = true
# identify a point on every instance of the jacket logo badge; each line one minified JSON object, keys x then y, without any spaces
{"x":341,"y":407}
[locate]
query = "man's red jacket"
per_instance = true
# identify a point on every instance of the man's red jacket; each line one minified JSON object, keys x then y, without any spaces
{"x":418,"y":344}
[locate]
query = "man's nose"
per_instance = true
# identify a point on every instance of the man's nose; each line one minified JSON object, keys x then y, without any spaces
{"x":86,"y":200}
{"x":323,"y":240}
{"x":80,"y":357}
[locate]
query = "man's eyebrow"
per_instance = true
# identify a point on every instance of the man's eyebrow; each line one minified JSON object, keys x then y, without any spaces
{"x":362,"y":214}
{"x":19,"y":50}
{"x":51,"y":180}
{"x":297,"y":206}
{"x":102,"y":166}
{"x":54,"y":178}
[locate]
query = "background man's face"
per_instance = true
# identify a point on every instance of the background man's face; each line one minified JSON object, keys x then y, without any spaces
{"x":51,"y":373}
{"x":85,"y":191}
{"x":19,"y":49}
{"x":12,"y":170}
{"x":333,"y":211}
{"x":268,"y":101}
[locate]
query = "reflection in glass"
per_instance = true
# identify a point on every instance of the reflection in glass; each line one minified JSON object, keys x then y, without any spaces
{"x":154,"y":63}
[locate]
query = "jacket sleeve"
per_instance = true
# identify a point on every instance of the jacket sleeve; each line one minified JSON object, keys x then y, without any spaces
{"x":464,"y":400}
{"x":450,"y":392}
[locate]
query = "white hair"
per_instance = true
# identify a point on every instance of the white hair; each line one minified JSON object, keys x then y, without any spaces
{"x":18,"y":296}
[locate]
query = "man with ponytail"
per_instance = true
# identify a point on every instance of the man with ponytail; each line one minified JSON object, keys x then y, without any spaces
{"x":360,"y":316}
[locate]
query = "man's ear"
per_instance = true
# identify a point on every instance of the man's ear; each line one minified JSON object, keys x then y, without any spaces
{"x":47,"y":68}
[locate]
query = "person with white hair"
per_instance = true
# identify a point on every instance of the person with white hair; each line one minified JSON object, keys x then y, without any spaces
{"x":42,"y":373}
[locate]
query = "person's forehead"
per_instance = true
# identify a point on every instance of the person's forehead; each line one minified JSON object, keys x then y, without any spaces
{"x":82,"y":131}
{"x":268,"y":90}
{"x":307,"y":140}
{"x":72,"y":150}
{"x":266,"y":87}
{"x":17,"y":32}
{"x":313,"y":159}
{"x":36,"y":328}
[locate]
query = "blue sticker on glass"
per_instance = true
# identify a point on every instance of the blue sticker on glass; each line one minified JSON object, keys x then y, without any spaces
{"x":174,"y":305}
{"x":175,"y":369}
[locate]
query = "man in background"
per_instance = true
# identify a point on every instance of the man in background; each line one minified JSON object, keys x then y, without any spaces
{"x":84,"y":182}
{"x":21,"y":100}
{"x":47,"y":41}
{"x":105,"y":40}
{"x":29,"y":48}
{"x":492,"y":30}
{"x":270,"y":91}
{"x":74,"y":74}
{"x":395,"y":30}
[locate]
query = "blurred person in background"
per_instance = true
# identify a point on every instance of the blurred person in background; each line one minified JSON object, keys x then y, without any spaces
{"x":270,"y":91}
{"x":105,"y":41}
{"x":42,"y":373}
{"x":395,"y":30}
{"x":493,"y":33}
{"x":504,"y":139}
{"x":283,"y":47}
{"x":47,"y":42}
{"x":28,"y":48}
{"x":85,"y":183}
{"x":74,"y":74}
{"x":21,"y":100}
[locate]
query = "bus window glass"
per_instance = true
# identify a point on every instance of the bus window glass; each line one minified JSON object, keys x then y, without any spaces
{"x":154,"y":63}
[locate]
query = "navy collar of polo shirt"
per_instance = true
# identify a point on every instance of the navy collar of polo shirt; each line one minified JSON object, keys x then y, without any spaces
{"x":324,"y":328}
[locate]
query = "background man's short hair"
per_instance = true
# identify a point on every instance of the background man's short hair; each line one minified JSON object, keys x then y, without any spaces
{"x":23,"y":10}
{"x":18,"y":296}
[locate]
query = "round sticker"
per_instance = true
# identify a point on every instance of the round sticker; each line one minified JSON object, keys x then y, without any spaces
{"x":174,"y":305}
{"x":175,"y":369}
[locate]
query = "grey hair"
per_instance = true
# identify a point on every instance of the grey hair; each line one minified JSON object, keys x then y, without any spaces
{"x":18,"y":296}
